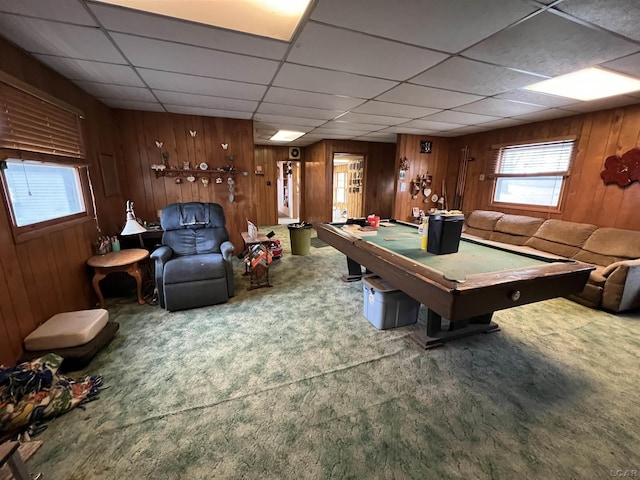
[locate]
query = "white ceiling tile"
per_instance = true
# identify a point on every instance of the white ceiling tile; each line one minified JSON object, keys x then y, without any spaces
{"x":461,"y":118}
{"x":53,"y":38}
{"x":205,"y":101}
{"x":430,"y":125}
{"x":326,"y":81}
{"x":178,"y":82}
{"x":293,"y":111}
{"x":394,"y":109}
{"x":335,"y":129}
{"x":504,"y":123}
{"x":545,"y":115}
{"x":375,"y":137}
{"x":301,"y":98}
{"x":274,"y":126}
{"x":117,"y":92}
{"x":156,"y":26}
{"x":602,"y":104}
{"x":469,"y":76}
{"x":447,"y":25}
{"x":409,"y":131}
{"x":338,"y":49}
{"x":173,"y":57}
{"x":499,"y":108}
{"x":548,"y":44}
{"x":68,"y":11}
{"x":427,"y":96}
{"x":132,"y":105}
{"x":466,"y":130}
{"x":208,"y":112}
{"x":606,"y":14}
{"x":92,"y":71}
{"x":535,"y":98}
{"x":268,"y":118}
{"x":372,"y":119}
{"x":629,"y":65}
{"x":362,"y":127}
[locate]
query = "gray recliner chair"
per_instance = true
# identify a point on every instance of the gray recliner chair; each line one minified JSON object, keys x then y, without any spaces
{"x":193,"y":266}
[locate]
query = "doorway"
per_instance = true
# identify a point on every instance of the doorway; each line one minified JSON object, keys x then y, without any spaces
{"x":348,"y":186}
{"x":288,"y":192}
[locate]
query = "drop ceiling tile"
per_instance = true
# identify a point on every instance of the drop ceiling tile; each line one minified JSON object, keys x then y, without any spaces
{"x":535,"y":98}
{"x":335,"y":136}
{"x":208,"y":112}
{"x":275,"y":126}
{"x":293,"y":111}
{"x":300,"y":98}
{"x":205,"y":101}
{"x":427,"y":96}
{"x":117,"y":92}
{"x":548,"y":44}
{"x":602,"y":104}
{"x":504,"y":123}
{"x":274,"y":119}
{"x":447,"y":25}
{"x":335,"y":129}
{"x":430,"y":125}
{"x":499,"y":108}
{"x":92,"y":71}
{"x":469,"y":76}
{"x":372,"y":119}
{"x":409,"y":131}
{"x":629,"y":65}
{"x":178,"y":82}
{"x":606,"y":14}
{"x":545,"y":115}
{"x":394,"y":109}
{"x":326,"y":81}
{"x":173,"y":57}
{"x":461,"y":118}
{"x":466,"y":130}
{"x":156,"y":26}
{"x":347,"y":51}
{"x":132,"y":105}
{"x":68,"y":11}
{"x":375,"y":137}
{"x":53,"y":38}
{"x":361,"y":127}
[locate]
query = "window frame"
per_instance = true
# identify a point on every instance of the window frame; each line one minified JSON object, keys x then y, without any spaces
{"x":566,"y":175}
{"x":36,"y":230}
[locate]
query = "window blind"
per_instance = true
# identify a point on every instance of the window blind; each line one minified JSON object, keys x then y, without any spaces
{"x":30,"y":123}
{"x":548,"y":158}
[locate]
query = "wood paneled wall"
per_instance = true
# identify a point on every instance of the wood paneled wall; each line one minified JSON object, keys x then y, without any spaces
{"x":586,"y":199}
{"x":378,"y":185}
{"x":439,"y":163}
{"x":139,"y":132}
{"x":48,"y":275}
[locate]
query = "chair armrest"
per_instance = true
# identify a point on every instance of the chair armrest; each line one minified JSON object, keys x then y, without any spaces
{"x":227,"y":250}
{"x":161,"y":254}
{"x":609,"y":269}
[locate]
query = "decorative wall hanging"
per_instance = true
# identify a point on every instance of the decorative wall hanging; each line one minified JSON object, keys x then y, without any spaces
{"x":425,"y":146}
{"x":622,"y":170}
{"x":192,"y":133}
{"x":404,"y":164}
{"x":224,"y":146}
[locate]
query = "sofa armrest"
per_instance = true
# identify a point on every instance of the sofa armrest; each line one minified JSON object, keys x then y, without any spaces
{"x":227,"y":250}
{"x":622,"y":287}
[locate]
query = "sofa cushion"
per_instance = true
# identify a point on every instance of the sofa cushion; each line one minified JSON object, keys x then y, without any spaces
{"x":515,"y":229}
{"x":561,"y":237}
{"x":483,"y":219}
{"x":614,"y":242}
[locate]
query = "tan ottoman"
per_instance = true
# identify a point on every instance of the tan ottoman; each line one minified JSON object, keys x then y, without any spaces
{"x":75,"y":336}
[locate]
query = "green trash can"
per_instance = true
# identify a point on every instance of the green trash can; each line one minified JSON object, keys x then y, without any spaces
{"x":300,"y":236}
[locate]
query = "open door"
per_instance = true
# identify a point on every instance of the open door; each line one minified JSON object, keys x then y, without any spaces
{"x":348,"y":186}
{"x":289,"y":191}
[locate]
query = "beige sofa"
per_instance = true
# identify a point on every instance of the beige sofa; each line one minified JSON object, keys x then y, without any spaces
{"x":615,"y":283}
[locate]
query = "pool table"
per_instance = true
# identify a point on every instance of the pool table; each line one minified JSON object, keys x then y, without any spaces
{"x":463,"y":289}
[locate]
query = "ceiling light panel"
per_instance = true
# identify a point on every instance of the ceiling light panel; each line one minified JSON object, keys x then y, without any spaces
{"x":267,"y":18}
{"x":550,"y":45}
{"x":173,"y":57}
{"x":326,"y":81}
{"x":446,"y":25}
{"x":338,"y":49}
{"x":128,"y":21}
{"x":286,"y":136}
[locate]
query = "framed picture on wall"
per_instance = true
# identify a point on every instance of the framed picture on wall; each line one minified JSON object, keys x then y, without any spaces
{"x":110,"y":179}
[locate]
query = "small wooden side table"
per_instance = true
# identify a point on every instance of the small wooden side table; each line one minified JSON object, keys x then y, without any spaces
{"x":122,"y":261}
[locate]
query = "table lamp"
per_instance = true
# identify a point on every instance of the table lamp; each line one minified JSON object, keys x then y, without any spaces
{"x":132,"y":227}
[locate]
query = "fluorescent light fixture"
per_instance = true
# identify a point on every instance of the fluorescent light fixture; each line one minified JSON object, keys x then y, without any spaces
{"x":286,"y":136}
{"x":587,"y":84}
{"x":268,"y":18}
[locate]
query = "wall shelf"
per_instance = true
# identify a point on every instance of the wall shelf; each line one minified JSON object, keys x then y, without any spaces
{"x":184,"y":173}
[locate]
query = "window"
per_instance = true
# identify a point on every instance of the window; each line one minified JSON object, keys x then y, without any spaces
{"x":340,"y":187}
{"x":40,"y":192}
{"x":532,"y":174}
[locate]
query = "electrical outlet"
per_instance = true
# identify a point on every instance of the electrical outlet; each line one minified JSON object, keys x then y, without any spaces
{"x":481,"y":177}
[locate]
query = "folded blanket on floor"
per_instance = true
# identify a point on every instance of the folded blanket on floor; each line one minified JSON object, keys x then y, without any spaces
{"x":34,"y":391}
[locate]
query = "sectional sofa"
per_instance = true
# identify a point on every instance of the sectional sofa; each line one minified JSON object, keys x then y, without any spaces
{"x":615,"y":283}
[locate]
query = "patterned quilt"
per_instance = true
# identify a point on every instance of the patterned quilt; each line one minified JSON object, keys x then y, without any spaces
{"x":34,"y":391}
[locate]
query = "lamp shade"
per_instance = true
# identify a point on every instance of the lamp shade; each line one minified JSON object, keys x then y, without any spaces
{"x":132,"y":227}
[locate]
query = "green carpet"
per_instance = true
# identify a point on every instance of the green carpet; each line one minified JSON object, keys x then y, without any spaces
{"x":292,"y":382}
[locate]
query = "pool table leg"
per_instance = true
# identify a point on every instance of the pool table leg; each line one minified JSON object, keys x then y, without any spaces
{"x":355,"y":271}
{"x":434,"y":336}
